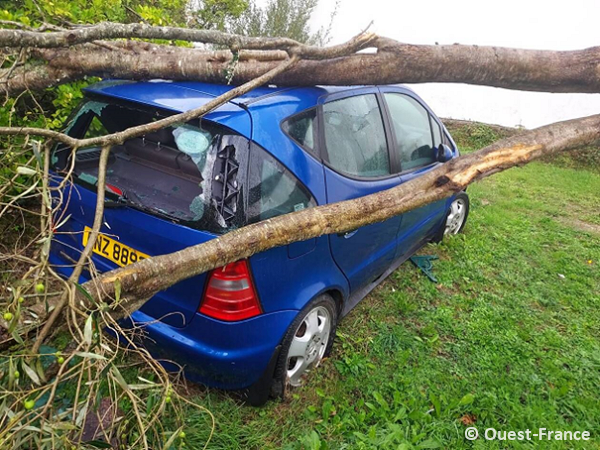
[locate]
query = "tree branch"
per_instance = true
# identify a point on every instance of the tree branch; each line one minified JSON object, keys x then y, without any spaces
{"x":394,"y":62}
{"x":355,"y":44}
{"x":112,"y":30}
{"x":85,"y":254}
{"x":142,"y":280}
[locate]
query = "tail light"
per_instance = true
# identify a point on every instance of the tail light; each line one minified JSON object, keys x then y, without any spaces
{"x":230,"y":294}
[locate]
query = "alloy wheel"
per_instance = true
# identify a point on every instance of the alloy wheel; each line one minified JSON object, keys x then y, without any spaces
{"x":308,"y":344}
{"x":456,"y":217}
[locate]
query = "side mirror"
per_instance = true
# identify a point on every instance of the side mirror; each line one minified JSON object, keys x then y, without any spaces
{"x":444,"y":153}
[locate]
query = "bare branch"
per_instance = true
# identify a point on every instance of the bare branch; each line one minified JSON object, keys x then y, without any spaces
{"x":142,"y":280}
{"x":85,"y":254}
{"x":111,"y":30}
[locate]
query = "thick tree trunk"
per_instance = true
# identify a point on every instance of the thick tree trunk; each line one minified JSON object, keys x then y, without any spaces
{"x":140,"y":281}
{"x":394,"y":62}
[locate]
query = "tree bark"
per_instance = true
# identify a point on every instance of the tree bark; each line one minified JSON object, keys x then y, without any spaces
{"x":394,"y":62}
{"x":142,"y":280}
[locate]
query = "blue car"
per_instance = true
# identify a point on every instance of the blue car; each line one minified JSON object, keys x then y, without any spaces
{"x":263,"y":323}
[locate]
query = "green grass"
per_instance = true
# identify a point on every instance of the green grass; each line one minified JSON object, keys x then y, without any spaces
{"x":509,"y":338}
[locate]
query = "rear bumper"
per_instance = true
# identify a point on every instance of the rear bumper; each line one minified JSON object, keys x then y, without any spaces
{"x":227,"y":355}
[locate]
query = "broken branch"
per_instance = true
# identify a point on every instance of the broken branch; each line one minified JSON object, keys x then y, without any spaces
{"x":142,"y":280}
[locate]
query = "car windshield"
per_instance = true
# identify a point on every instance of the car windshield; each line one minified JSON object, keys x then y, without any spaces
{"x":186,"y":172}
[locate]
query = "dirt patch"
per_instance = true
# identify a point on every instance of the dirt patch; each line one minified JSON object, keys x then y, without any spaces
{"x":580,"y":225}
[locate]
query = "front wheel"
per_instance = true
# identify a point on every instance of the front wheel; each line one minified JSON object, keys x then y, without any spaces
{"x":306,"y":342}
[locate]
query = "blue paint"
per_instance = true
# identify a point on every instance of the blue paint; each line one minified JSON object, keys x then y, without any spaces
{"x":234,"y":355}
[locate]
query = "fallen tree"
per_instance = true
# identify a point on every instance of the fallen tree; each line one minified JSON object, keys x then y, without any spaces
{"x":41,"y":59}
{"x":140,"y":281}
{"x":72,"y":54}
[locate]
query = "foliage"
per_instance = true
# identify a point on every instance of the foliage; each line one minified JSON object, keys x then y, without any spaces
{"x":215,"y":14}
{"x":63,"y":12}
{"x":472,"y":136}
{"x":282,"y":18}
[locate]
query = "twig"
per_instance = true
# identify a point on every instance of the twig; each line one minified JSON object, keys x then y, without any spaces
{"x":74,"y":278}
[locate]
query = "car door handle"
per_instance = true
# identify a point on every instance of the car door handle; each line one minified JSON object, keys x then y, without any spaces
{"x":348,"y":234}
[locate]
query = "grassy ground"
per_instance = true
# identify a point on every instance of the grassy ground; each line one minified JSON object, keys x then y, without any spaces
{"x":509,"y":338}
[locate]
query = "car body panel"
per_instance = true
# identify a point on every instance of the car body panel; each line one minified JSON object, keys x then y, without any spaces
{"x":234,"y":354}
{"x":146,"y":233}
{"x":363,"y":254}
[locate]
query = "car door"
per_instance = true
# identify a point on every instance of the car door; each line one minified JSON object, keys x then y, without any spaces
{"x":416,"y":137}
{"x":357,"y":162}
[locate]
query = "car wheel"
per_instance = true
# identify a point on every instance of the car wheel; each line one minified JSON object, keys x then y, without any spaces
{"x":453,"y":223}
{"x":306,"y":342}
{"x":457,"y":215}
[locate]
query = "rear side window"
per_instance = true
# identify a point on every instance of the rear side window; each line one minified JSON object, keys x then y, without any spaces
{"x":273,"y":190}
{"x":355,"y":137}
{"x":301,"y":128}
{"x":188,"y":173}
{"x":410,"y":120}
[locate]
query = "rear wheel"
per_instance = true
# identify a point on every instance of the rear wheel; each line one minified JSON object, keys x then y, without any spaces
{"x":456,"y":217}
{"x":306,"y":342}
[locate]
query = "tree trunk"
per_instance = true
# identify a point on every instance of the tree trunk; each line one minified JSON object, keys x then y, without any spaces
{"x":394,"y":62}
{"x":140,"y":281}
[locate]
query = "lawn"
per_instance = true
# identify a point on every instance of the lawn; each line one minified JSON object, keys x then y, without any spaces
{"x":508,"y":339}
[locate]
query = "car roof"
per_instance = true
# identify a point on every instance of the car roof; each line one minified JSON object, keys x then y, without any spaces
{"x":182,"y":96}
{"x":185,"y":95}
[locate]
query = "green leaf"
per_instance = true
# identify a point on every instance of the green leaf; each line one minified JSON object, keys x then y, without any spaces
{"x":467,"y":399}
{"x":119,"y":378}
{"x":17,"y":337}
{"x":90,"y":355}
{"x":429,"y":443}
{"x":85,"y":293}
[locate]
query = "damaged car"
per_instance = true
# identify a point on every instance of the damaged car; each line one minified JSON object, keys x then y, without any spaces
{"x":264,"y":322}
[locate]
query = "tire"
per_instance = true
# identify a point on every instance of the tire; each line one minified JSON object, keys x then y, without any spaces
{"x":290,"y":369}
{"x":454,"y":225}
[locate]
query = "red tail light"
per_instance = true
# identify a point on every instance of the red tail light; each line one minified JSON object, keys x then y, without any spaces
{"x":230,"y":293}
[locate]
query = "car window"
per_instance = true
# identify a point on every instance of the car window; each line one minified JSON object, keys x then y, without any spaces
{"x":190,"y":172}
{"x":355,"y":138}
{"x":95,"y":129}
{"x":410,"y":120}
{"x":273,"y":190}
{"x":437,"y":132}
{"x":447,"y":141}
{"x":301,"y":129}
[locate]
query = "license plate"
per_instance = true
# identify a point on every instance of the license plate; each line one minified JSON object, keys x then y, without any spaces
{"x":115,"y":251}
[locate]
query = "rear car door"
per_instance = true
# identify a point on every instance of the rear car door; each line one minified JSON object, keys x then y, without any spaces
{"x":357,"y":163}
{"x":416,"y":138}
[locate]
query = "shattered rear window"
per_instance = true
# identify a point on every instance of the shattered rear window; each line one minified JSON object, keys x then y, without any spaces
{"x":189,"y":172}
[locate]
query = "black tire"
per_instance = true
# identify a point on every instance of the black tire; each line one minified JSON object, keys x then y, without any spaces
{"x":280,"y":381}
{"x":439,"y":236}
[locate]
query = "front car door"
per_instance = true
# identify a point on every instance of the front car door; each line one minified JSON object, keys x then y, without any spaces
{"x":416,"y":138}
{"x":354,"y":140}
